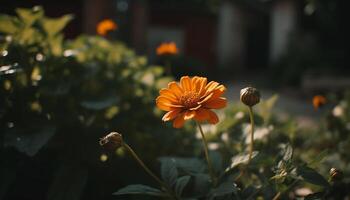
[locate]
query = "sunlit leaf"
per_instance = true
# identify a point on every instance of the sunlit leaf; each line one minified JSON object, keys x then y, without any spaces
{"x":52,"y":26}
{"x":8,"y":24}
{"x":240,"y":159}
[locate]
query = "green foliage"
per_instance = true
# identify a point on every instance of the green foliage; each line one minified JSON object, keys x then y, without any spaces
{"x":60,"y":96}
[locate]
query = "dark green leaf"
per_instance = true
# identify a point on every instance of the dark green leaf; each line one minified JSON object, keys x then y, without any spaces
{"x":202,"y":184}
{"x":29,"y":141}
{"x":100,"y":104}
{"x":315,"y":196}
{"x":310,"y":175}
{"x":168,"y":170}
{"x":68,"y":184}
{"x":223,"y":189}
{"x":216,"y":160}
{"x":189,"y":165}
{"x":8,"y":176}
{"x":181,"y":184}
{"x":140,"y":189}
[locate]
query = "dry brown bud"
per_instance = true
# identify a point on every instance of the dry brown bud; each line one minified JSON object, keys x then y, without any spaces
{"x":336,"y":174}
{"x":250,"y":96}
{"x":112,"y":141}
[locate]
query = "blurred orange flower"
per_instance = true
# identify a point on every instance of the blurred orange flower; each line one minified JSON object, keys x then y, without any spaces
{"x":318,"y":101}
{"x":105,"y":26}
{"x":167,"y":49}
{"x":192,"y":98}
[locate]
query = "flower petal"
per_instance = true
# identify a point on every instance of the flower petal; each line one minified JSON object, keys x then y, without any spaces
{"x":189,"y":114}
{"x":217,"y":103}
{"x":218,"y":91}
{"x":175,"y":88}
{"x":201,"y":115}
{"x":213,"y":118}
{"x":171,"y":115}
{"x":168,"y":93}
{"x":202,"y":84}
{"x":166,"y":104}
{"x":179,"y":121}
{"x":185,"y":83}
{"x":206,"y":98}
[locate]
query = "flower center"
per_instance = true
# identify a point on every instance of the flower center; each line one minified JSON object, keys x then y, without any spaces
{"x":189,"y":99}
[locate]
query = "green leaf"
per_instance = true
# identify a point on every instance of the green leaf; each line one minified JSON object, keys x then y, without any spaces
{"x":266,"y":107}
{"x":181,"y":184}
{"x":29,"y":141}
{"x":216,"y":160}
{"x":140,"y":189}
{"x":223,"y":189}
{"x":240,"y":159}
{"x":100,"y":103}
{"x":287,"y":152}
{"x":188,"y":165}
{"x":8,"y":176}
{"x":8,"y":24}
{"x":315,"y":196}
{"x":69,"y":183}
{"x":29,"y":16}
{"x":168,"y":170}
{"x":312,"y":176}
{"x":202,"y":184}
{"x":53,"y":26}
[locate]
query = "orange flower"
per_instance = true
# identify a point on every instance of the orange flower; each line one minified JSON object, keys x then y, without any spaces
{"x":167,"y":49}
{"x":104,"y":26}
{"x":318,"y":101}
{"x":192,"y":98}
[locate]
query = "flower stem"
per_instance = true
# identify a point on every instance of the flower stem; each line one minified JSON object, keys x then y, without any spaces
{"x":278,"y":195}
{"x":155,"y":177}
{"x":251,"y":146}
{"x":205,"y":144}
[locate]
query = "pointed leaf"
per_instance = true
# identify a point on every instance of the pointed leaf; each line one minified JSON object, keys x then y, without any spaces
{"x":223,"y":189}
{"x":181,"y":184}
{"x":216,"y":160}
{"x":240,"y":159}
{"x":53,"y":26}
{"x":312,"y":176}
{"x":168,"y":171}
{"x":139,"y":189}
{"x":8,"y":24}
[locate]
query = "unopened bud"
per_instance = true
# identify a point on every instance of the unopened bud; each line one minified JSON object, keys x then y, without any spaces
{"x":335,"y":174}
{"x":112,"y":141}
{"x":250,"y":96}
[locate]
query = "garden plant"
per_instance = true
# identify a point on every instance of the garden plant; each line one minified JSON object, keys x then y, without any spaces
{"x":59,"y":96}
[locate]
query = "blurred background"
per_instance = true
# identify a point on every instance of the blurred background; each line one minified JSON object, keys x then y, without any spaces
{"x":296,"y":48}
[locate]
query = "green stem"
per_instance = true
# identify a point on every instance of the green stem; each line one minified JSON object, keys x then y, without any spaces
{"x":160,"y":182}
{"x":205,"y":144}
{"x":278,"y":195}
{"x":251,"y":146}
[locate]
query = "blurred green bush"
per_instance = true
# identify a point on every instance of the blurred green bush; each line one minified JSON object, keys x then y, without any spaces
{"x":58,"y":97}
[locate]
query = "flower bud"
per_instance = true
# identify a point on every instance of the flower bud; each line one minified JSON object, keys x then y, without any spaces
{"x":250,"y":96}
{"x":112,"y":141}
{"x":335,"y":174}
